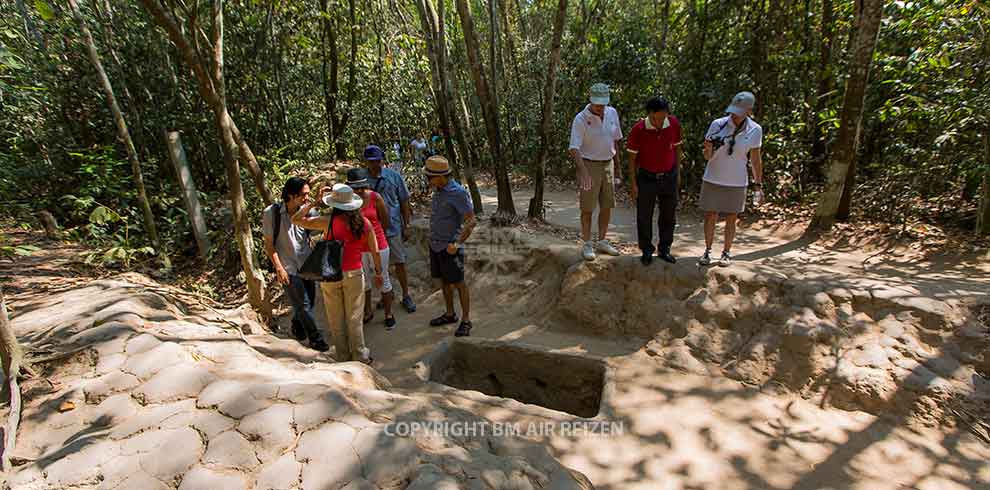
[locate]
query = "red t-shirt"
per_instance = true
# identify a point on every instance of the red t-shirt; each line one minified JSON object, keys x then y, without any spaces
{"x":353,"y":246}
{"x":654,"y":148}
{"x":370,"y":211}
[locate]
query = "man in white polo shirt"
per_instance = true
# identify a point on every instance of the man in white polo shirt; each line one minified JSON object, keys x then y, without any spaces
{"x":595,"y":136}
{"x":730,"y":143}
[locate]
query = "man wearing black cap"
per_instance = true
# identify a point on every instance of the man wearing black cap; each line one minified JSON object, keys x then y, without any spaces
{"x":392,"y":187}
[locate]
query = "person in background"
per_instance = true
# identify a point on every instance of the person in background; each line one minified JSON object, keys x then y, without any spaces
{"x":397,"y":162}
{"x":654,"y":152}
{"x":288,"y":246}
{"x":392,"y":187}
{"x":344,"y":299}
{"x":375,"y":211}
{"x":595,"y":136}
{"x":730,"y":143}
{"x":451,"y":223}
{"x":417,"y":148}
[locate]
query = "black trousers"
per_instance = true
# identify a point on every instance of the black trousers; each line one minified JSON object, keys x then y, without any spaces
{"x":656,"y":190}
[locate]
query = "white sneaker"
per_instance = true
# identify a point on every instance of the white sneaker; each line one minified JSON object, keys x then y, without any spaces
{"x":588,"y":251}
{"x":725,"y":260}
{"x":606,"y":248}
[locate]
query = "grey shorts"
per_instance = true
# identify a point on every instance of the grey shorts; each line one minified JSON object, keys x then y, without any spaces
{"x":396,"y":250}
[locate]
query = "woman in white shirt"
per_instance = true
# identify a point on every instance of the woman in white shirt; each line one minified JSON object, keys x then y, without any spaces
{"x":730,"y":143}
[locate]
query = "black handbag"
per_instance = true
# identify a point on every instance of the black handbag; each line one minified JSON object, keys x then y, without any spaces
{"x":324,"y":264}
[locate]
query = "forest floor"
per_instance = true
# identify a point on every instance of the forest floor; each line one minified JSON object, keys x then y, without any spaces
{"x":712,"y":375}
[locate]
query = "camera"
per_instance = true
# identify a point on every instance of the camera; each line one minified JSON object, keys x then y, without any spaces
{"x":717,"y":142}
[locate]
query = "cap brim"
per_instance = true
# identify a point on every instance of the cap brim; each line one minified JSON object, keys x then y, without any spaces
{"x":375,"y":159}
{"x":359,"y":184}
{"x":734,"y":109}
{"x":600,"y":100}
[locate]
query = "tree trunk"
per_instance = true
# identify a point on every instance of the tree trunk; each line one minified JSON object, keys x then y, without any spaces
{"x":211,"y":89}
{"x":10,"y":357}
{"x":488,"y":109}
{"x":662,"y":43}
{"x":250,"y":162}
{"x":825,"y":86}
{"x":536,"y":209}
{"x":850,"y":120}
{"x":845,"y":202}
{"x":122,"y":131}
{"x":433,"y":23}
{"x":189,"y":195}
{"x":983,"y":214}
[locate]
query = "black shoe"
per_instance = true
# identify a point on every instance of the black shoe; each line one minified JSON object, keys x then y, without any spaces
{"x":390,"y":323}
{"x":666,"y":257}
{"x":298,"y":332}
{"x":443,"y":320}
{"x":319,"y":345}
{"x":463,"y":330}
{"x":647,"y":258}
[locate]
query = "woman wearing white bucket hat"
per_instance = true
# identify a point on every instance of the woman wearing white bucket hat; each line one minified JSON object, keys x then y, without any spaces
{"x":344,"y":300}
{"x":730,"y":143}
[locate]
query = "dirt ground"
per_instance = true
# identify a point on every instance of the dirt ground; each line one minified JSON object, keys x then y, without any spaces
{"x":714,"y":374}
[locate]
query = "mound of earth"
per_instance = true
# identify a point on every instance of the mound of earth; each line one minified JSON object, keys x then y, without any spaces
{"x":855,"y":343}
{"x":154,"y":394}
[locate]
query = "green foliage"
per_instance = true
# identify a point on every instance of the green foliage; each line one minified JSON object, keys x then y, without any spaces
{"x":926,"y":108}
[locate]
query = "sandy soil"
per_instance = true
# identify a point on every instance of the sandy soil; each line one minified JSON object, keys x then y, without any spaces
{"x":683,"y":423}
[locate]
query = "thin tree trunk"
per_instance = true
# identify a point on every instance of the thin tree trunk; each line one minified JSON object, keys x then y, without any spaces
{"x":341,"y":146}
{"x":328,"y":40}
{"x":662,"y":43}
{"x":210,"y":92}
{"x":983,"y":214}
{"x":851,"y":118}
{"x":11,"y":357}
{"x":450,"y":89}
{"x":536,"y":209}
{"x":122,"y":131}
{"x":825,"y":86}
{"x":488,"y":109}
{"x":189,"y":195}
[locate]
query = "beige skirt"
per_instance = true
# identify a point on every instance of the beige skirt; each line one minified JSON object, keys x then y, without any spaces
{"x":722,"y":198}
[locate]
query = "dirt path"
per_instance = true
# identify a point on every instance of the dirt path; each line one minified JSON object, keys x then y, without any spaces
{"x":678,"y":429}
{"x":785,"y":248}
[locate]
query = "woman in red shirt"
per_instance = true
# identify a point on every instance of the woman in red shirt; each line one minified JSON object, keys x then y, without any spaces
{"x":344,"y":300}
{"x":374,"y":210}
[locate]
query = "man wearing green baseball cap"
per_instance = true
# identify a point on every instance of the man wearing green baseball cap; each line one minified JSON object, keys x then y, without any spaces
{"x":595,"y":136}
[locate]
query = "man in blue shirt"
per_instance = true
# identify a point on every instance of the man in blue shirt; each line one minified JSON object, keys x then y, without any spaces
{"x":392,"y":188}
{"x":451,"y":222}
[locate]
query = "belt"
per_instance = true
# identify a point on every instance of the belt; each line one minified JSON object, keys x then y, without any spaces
{"x":658,"y":176}
{"x":356,"y":272}
{"x":597,"y":161}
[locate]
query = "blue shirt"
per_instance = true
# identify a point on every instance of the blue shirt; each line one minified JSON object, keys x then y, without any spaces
{"x":450,"y":205}
{"x":393,"y":190}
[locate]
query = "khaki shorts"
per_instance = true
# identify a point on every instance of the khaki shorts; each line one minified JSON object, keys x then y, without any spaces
{"x":602,"y":191}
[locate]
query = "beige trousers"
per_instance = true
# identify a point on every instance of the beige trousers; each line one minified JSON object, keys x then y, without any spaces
{"x":344,"y":304}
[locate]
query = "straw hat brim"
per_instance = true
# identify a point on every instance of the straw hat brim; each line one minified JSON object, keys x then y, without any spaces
{"x":435,"y":173}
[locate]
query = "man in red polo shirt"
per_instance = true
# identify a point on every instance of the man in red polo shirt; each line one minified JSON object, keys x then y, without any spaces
{"x":654,"y":147}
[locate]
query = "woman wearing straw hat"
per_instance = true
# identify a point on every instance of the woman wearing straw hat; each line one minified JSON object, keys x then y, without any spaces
{"x":344,"y":300}
{"x":374,"y":210}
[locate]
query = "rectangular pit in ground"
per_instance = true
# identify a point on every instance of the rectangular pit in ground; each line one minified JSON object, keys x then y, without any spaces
{"x":559,"y":381}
